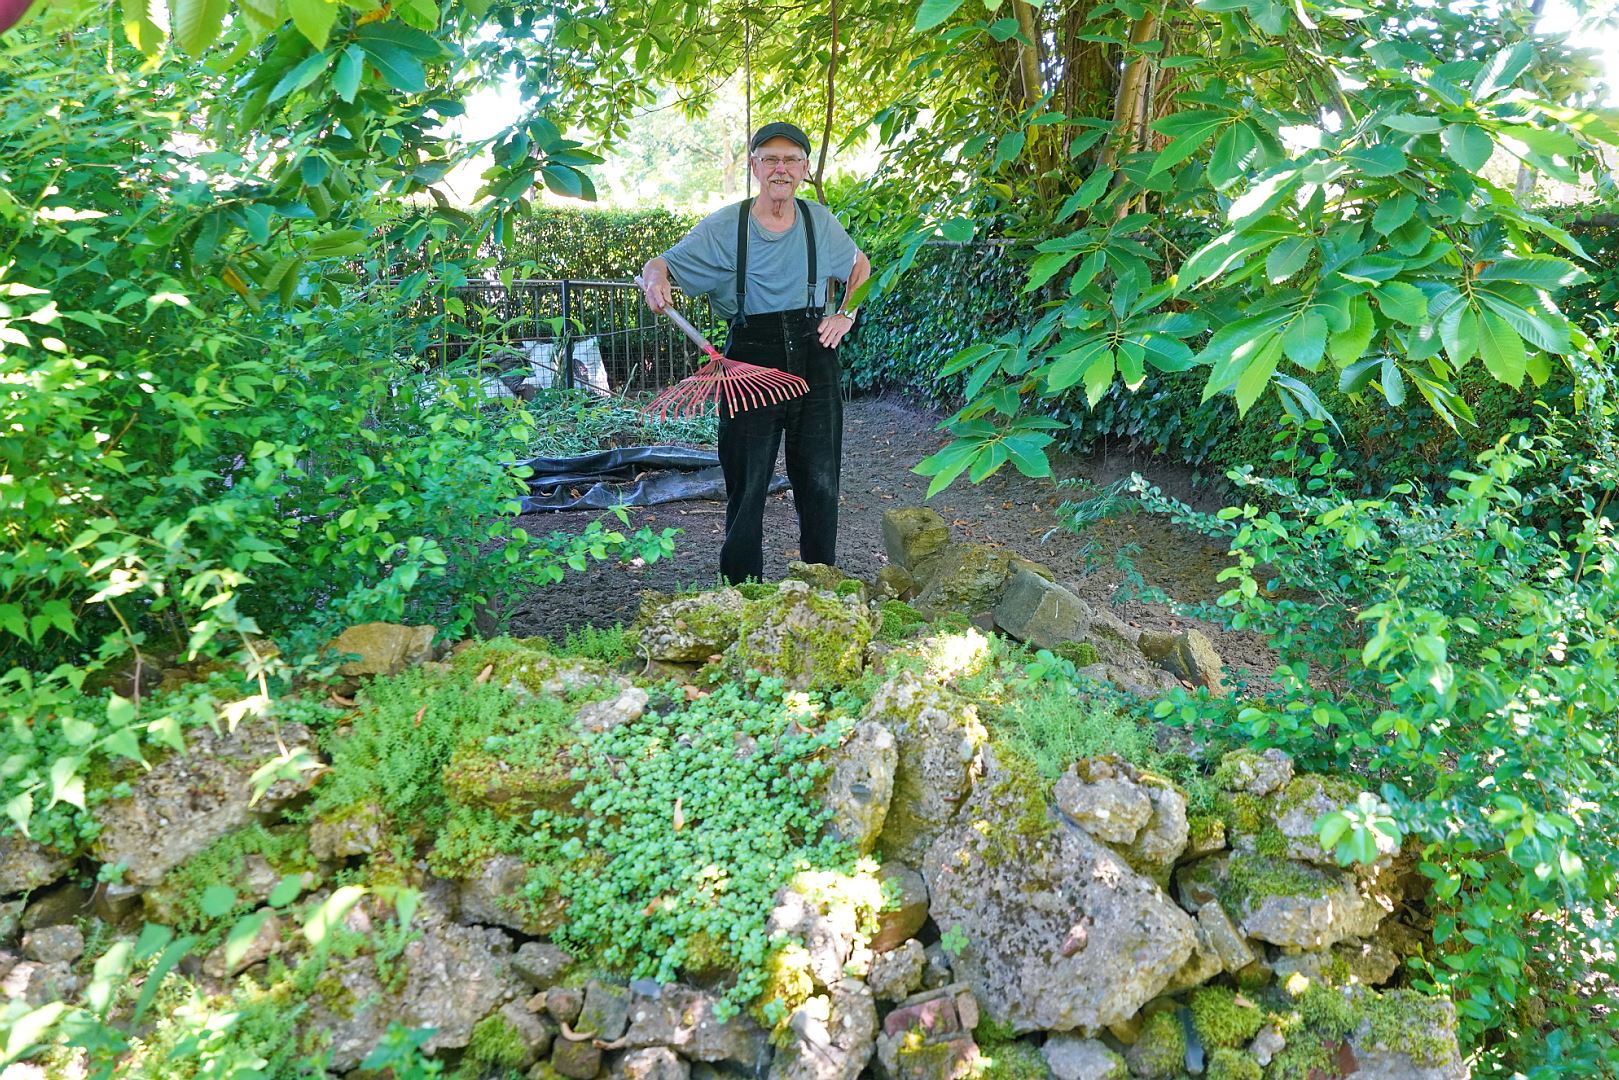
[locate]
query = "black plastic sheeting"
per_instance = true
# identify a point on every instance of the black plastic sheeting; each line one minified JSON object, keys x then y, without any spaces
{"x":627,"y":476}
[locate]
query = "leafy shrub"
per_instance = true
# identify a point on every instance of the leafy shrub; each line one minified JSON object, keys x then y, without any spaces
{"x":592,"y":244}
{"x":1462,"y":657}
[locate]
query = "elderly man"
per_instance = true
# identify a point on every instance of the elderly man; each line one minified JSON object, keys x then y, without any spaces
{"x":765,"y":264}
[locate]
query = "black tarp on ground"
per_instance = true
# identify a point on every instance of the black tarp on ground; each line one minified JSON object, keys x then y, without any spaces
{"x":626,"y":476}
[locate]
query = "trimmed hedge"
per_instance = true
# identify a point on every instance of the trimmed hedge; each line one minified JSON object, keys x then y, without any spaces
{"x":593,"y":245}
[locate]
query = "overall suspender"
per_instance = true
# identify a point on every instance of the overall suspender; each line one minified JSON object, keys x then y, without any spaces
{"x":742,"y":260}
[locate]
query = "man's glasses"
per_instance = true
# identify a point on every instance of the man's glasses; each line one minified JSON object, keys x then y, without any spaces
{"x":771,"y":161}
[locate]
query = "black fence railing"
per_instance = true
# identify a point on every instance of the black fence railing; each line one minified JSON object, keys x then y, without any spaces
{"x":571,"y":333}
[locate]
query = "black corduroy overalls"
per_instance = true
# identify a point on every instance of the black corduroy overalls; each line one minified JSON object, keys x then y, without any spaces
{"x":812,"y":424}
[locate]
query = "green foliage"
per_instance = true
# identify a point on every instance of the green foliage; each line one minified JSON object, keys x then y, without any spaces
{"x":952,"y":297}
{"x":495,"y":1047}
{"x":1458,"y":654}
{"x":592,"y":244}
{"x":580,"y":422}
{"x":609,"y":647}
{"x":1053,"y":717}
{"x":689,"y":859}
{"x":207,"y":882}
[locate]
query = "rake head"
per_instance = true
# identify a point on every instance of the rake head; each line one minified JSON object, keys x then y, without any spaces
{"x":730,"y":385}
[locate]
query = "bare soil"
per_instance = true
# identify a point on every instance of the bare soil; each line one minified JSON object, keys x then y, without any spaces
{"x":883,"y":439}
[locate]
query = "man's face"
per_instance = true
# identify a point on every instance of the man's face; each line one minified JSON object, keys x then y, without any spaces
{"x":779,"y":165}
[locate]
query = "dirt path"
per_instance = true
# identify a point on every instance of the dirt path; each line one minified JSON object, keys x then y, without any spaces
{"x":883,"y":439}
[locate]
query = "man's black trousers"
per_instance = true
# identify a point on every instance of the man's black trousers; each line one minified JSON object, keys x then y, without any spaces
{"x":813,"y":426}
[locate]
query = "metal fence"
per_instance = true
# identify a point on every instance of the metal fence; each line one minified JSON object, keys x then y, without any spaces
{"x":590,"y":327}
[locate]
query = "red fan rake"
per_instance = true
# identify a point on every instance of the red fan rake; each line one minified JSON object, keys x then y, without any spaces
{"x":728,"y":384}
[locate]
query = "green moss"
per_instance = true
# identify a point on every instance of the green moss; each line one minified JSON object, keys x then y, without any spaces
{"x":951,"y":622}
{"x":1305,"y":788}
{"x":1235,"y":767}
{"x":1222,"y":1020}
{"x":1327,"y":1012}
{"x":1304,"y":1058}
{"x":1270,"y":841}
{"x":831,"y":654}
{"x":756,"y":590}
{"x":850,"y":587}
{"x":1205,"y":832}
{"x":1078,"y":653}
{"x":496,"y":1045}
{"x":1228,"y":1064}
{"x":1252,"y":878}
{"x":1409,"y":1023}
{"x":1160,"y":1049}
{"x":900,"y":620}
{"x":1009,"y":1060}
{"x":1244,"y":814}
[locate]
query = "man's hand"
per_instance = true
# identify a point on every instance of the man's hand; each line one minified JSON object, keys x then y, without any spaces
{"x":654,"y":282}
{"x":834,"y":328}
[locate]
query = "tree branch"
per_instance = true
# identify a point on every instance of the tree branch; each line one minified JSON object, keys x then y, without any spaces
{"x":826,"y":129}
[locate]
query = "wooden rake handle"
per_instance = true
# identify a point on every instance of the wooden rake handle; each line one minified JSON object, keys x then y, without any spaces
{"x":684,"y":326}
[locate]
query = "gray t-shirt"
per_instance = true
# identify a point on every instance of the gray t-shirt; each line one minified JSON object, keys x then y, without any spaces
{"x":704,"y":261}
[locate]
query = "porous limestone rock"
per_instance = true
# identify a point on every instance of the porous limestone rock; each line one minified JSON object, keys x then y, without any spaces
{"x":1300,"y":804}
{"x":1101,"y":796}
{"x":383,"y":648}
{"x":859,"y":783}
{"x":939,"y":736}
{"x":688,"y":629}
{"x":454,"y":976}
{"x":493,"y":896}
{"x":540,"y":964}
{"x":968,"y":578}
{"x":807,"y":638}
{"x":1259,"y":773}
{"x":913,"y":538}
{"x":1070,"y":1057}
{"x":829,"y":1037}
{"x":1296,"y":905}
{"x":649,"y":1063}
{"x":898,"y":972}
{"x":599,"y":716}
{"x":26,"y":865}
{"x":1186,"y":654}
{"x":1060,"y":933}
{"x":909,"y":893}
{"x":185,"y":802}
{"x":1406,"y":1036}
{"x":1040,"y":612}
{"x":682,"y":1018}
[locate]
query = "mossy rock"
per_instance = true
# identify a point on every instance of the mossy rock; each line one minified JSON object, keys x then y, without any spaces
{"x":807,"y":638}
{"x":489,"y":781}
{"x":690,"y":629}
{"x":1160,"y":1050}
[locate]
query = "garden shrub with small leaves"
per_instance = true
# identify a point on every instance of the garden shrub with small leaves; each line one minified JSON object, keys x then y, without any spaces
{"x":1460,"y":655}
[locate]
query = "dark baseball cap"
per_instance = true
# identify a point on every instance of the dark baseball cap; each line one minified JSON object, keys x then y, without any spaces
{"x":781,"y":129}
